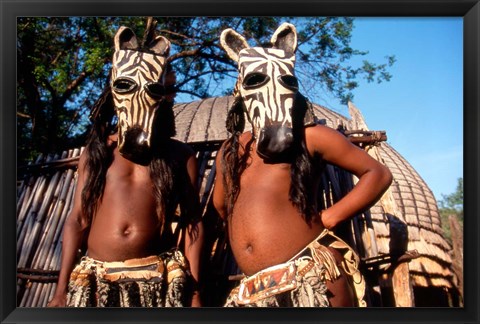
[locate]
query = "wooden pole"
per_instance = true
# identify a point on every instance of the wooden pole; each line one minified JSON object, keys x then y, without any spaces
{"x":402,"y":286}
{"x":32,"y":239}
{"x":24,"y":206}
{"x":42,"y":246}
{"x":400,"y":279}
{"x":24,"y":246}
{"x":33,"y":204}
{"x":61,"y":221}
{"x":457,"y":252}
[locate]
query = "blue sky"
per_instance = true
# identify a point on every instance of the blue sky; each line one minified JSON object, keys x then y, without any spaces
{"x":421,"y":107}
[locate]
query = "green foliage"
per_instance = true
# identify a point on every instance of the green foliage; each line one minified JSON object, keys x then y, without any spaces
{"x":63,"y":64}
{"x":452,"y":204}
{"x":60,"y":61}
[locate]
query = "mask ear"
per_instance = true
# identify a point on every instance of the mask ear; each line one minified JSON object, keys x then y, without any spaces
{"x":103,"y":108}
{"x":125,"y":39}
{"x":304,"y":111}
{"x":236,"y":117}
{"x":285,"y":38}
{"x":160,"y":45}
{"x":232,"y":42}
{"x":164,"y":123}
{"x":309,"y":119}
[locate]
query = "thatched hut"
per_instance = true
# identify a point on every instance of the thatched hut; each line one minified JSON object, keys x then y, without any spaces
{"x":412,"y":215}
{"x":399,"y":238}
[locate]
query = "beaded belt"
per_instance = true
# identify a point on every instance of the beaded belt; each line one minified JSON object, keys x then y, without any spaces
{"x":272,"y":281}
{"x":283,"y":277}
{"x":150,"y":268}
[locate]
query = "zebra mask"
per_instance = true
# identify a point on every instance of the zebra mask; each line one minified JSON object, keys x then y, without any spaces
{"x":267,"y":91}
{"x":137,"y":84}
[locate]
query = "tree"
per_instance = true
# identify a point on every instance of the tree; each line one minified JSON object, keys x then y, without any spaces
{"x":452,"y":204}
{"x":63,"y":65}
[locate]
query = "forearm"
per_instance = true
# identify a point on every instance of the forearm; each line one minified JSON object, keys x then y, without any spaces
{"x":366,"y":192}
{"x":72,"y":238}
{"x":193,"y":249}
{"x":374,"y":177}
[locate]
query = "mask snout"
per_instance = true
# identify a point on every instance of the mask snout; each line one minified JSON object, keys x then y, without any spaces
{"x":275,"y":142}
{"x":136,"y":146}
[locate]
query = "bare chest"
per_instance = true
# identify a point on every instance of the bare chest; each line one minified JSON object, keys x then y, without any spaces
{"x":130,"y":187}
{"x":266,"y":228}
{"x":126,"y":224}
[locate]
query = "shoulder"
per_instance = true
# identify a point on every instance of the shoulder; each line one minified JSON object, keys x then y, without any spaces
{"x":181,"y":152}
{"x":243,"y":141}
{"x":318,"y":129}
{"x":320,"y":137}
{"x":83,"y":160}
{"x":181,"y":149}
{"x":246,"y":137}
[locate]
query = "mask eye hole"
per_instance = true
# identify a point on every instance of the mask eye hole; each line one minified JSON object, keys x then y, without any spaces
{"x":124,"y":85}
{"x":255,"y":80}
{"x":289,"y":82}
{"x":155,"y":90}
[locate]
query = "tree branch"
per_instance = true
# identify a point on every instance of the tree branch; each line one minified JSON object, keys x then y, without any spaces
{"x":19,"y":114}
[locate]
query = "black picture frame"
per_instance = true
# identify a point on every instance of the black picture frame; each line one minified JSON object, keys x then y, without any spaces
{"x":468,"y":9}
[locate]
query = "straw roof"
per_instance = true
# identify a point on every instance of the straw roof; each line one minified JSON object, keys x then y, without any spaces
{"x":202,"y":120}
{"x":205,"y":120}
{"x":420,"y":212}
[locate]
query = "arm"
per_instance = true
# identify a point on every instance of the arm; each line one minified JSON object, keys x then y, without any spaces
{"x":73,"y":232}
{"x":194,"y":239}
{"x":218,"y":189}
{"x":374,"y":177}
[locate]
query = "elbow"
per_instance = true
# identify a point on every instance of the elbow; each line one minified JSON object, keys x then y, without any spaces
{"x":386,"y":177}
{"x":76,"y":223}
{"x":194,"y":239}
{"x":219,"y":206}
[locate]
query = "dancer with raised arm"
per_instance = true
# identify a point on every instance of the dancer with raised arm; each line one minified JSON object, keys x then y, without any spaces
{"x":267,"y":185}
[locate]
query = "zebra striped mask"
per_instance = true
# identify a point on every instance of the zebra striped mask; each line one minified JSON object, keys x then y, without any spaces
{"x":268,"y":88}
{"x":137,"y":89}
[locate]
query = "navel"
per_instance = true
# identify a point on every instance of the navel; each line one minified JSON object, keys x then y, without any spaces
{"x":249,"y":249}
{"x":126,"y":231}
